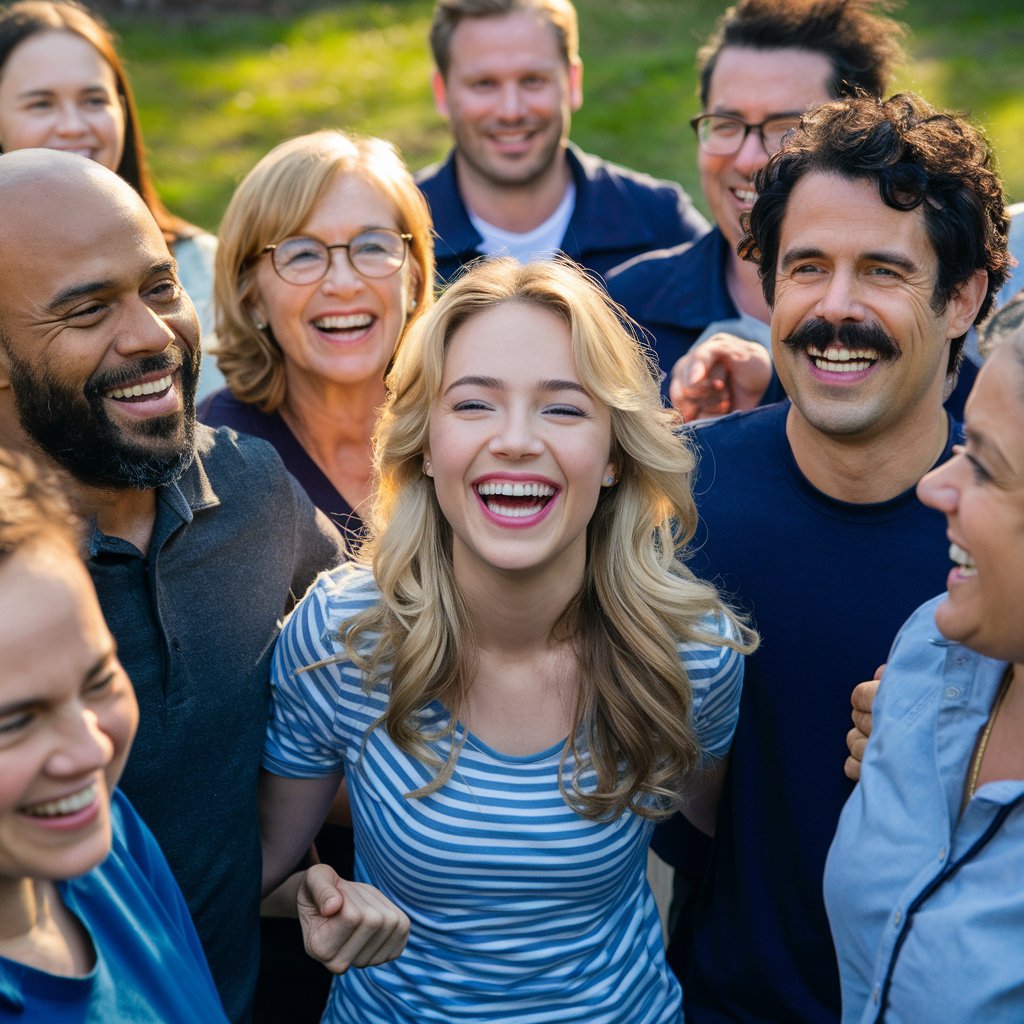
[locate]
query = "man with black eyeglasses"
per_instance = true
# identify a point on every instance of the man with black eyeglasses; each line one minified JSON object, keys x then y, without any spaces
{"x":767,"y":62}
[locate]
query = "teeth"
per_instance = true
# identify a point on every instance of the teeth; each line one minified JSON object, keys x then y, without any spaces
{"x":66,"y":805}
{"x":962,"y":558}
{"x":745,"y":195}
{"x":138,"y":390}
{"x":512,"y":137}
{"x":842,"y":360}
{"x":515,"y":490}
{"x":514,"y":511}
{"x":343,"y":323}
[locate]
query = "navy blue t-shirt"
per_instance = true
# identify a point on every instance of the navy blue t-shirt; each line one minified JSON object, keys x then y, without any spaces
{"x":828,"y":585}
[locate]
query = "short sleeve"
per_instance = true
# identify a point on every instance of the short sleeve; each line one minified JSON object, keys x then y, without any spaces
{"x":302,"y":738}
{"x":716,"y":681}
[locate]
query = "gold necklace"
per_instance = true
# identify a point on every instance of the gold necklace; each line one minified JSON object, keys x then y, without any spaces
{"x":979,"y":753}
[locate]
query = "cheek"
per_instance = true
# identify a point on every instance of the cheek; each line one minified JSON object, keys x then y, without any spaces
{"x":118,"y":723}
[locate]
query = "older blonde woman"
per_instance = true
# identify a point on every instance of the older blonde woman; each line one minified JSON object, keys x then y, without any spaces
{"x":325,"y":257}
{"x":516,"y":680}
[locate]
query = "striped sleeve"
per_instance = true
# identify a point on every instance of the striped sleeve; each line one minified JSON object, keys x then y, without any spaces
{"x":307,"y":735}
{"x":716,"y":680}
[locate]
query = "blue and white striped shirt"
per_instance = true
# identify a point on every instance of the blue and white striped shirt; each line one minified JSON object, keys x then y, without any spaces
{"x":522,"y":910}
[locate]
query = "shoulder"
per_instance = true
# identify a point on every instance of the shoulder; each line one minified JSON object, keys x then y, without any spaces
{"x":746,"y":434}
{"x":334,"y":598}
{"x":437,"y":177}
{"x":222,"y":409}
{"x":682,"y":282}
{"x":603,"y":173}
{"x":230,"y":457}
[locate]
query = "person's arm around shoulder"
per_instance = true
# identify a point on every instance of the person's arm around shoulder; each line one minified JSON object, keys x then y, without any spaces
{"x":862,"y":700}
{"x":720,"y":375}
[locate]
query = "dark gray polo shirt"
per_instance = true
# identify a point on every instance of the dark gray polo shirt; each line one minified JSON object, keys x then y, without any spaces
{"x":236,"y":542}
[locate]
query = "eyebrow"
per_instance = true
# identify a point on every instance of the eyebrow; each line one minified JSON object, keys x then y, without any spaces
{"x":75,"y":292}
{"x":102,"y":664}
{"x":731,"y":112}
{"x":987,"y":447}
{"x":888,"y":256}
{"x":493,"y":384}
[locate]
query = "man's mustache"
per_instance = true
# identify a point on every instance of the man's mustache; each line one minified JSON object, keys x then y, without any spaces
{"x":819,"y":334}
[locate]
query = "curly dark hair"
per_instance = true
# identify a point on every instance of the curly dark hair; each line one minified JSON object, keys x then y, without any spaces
{"x":860,"y":41}
{"x":920,"y":157}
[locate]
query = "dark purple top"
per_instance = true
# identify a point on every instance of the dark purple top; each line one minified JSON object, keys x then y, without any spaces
{"x":222,"y":409}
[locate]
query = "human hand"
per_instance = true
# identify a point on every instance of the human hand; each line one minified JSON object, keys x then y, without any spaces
{"x":348,"y":924}
{"x":862,"y":699}
{"x":722,"y":374}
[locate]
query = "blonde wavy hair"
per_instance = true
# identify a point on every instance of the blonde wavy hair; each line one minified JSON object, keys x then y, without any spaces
{"x":272,"y":202}
{"x":632,"y":722}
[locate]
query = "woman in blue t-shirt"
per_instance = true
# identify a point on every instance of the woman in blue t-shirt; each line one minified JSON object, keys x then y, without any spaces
{"x":517,"y":677}
{"x":93,"y":927}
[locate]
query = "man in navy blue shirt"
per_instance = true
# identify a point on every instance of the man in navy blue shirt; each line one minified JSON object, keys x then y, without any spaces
{"x":508,"y":78}
{"x":879,"y":234}
{"x":767,"y":62}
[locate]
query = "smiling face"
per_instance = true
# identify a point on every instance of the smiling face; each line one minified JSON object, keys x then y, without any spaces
{"x":100,"y":343}
{"x":518,"y":449}
{"x":754,"y":85}
{"x":866,"y":351}
{"x":343,"y":328}
{"x":67,"y":717}
{"x":509,"y":97}
{"x":981,"y":492}
{"x":57,"y":92}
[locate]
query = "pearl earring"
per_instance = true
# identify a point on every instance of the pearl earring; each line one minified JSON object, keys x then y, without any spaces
{"x":260,"y":326}
{"x":609,"y":480}
{"x":426,"y":466}
{"x":412,"y":306}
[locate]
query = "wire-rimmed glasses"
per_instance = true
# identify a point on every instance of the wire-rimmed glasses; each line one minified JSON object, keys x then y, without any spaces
{"x":379,"y":252}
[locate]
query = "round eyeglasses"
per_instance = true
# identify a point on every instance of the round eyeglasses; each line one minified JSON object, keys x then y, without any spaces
{"x":376,"y":253}
{"x":723,"y":134}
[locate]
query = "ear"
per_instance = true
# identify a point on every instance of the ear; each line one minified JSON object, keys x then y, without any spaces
{"x":575,"y":85}
{"x":965,"y":302}
{"x":428,"y":468}
{"x":254,"y":311}
{"x":610,"y":477}
{"x":440,"y":94}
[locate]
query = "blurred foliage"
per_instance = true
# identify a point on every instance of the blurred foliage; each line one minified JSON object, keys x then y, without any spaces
{"x":218,"y":88}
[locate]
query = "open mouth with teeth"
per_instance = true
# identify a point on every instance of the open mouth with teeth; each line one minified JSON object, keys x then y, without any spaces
{"x":64,"y":807}
{"x":842,"y":360}
{"x":518,"y":500}
{"x":745,"y":195}
{"x":962,"y":559}
{"x":134,"y":392}
{"x":344,"y":326}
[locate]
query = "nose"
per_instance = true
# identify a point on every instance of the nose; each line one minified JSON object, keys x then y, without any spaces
{"x":144,"y":332}
{"x":940,"y":489}
{"x":341,"y":276}
{"x":516,"y":437}
{"x":82,"y":747}
{"x":840,"y":300}
{"x":751,"y":156}
{"x":510,"y":102}
{"x":70,"y":120}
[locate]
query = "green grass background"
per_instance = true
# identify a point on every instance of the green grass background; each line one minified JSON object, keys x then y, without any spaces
{"x":217,"y":90}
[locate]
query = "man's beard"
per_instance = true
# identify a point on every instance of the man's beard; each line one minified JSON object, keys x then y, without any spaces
{"x":819,"y":334}
{"x":73,"y":429}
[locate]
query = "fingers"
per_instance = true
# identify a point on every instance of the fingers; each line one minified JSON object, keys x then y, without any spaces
{"x":856,"y":743}
{"x":863,"y":700}
{"x":348,"y":924}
